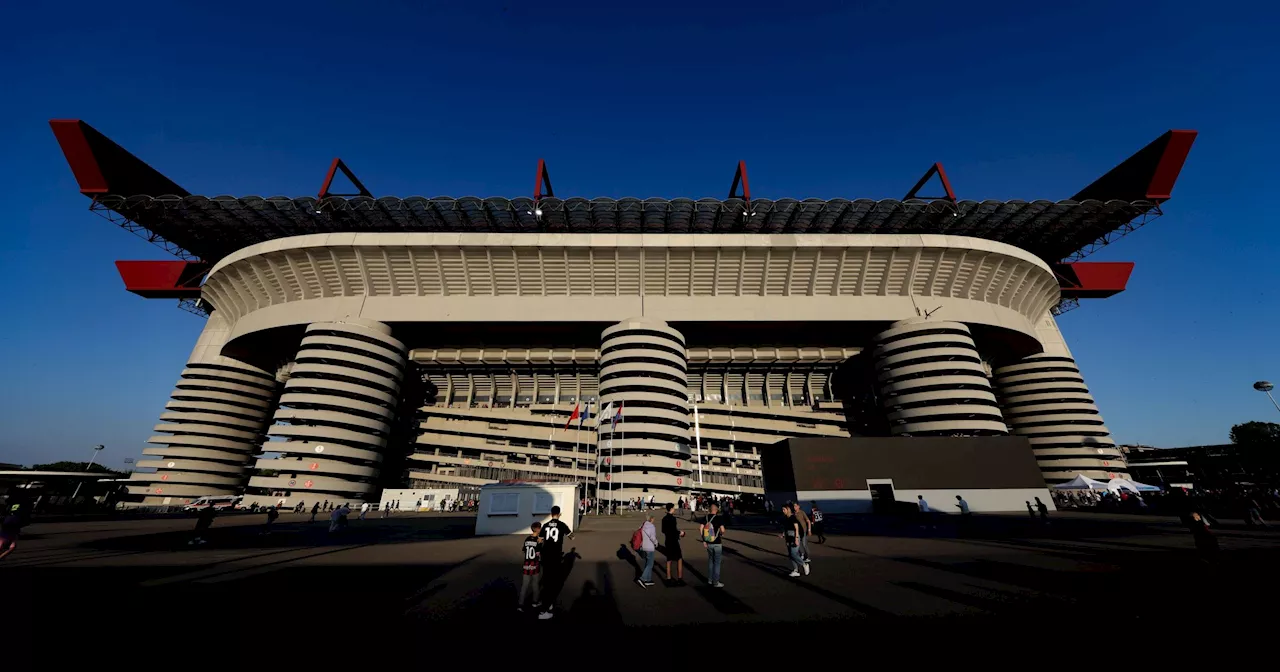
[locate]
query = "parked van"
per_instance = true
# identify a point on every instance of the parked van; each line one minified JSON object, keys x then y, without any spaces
{"x":219,"y":503}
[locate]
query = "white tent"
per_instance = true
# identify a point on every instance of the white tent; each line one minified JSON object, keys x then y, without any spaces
{"x":1132,"y":486}
{"x":1081,"y":482}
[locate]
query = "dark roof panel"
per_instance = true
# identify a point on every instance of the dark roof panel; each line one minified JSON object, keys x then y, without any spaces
{"x":210,"y":228}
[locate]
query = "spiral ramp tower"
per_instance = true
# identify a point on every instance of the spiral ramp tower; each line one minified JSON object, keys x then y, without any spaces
{"x":1046,"y":400}
{"x":334,"y":417}
{"x":644,"y":372}
{"x":210,"y":428}
{"x":932,"y":382}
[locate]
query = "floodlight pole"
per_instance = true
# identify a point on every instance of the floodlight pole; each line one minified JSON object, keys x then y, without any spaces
{"x":91,"y":459}
{"x":1273,"y":400}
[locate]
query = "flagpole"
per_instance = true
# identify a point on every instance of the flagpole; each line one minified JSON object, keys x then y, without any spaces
{"x":597,"y":484}
{"x":623,"y":447}
{"x":577,"y":433}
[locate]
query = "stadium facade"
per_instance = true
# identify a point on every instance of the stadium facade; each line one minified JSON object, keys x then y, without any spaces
{"x":640,"y":347}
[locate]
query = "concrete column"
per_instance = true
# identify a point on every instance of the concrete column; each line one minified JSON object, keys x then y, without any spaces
{"x":1045,"y":399}
{"x":932,"y":381}
{"x":643,"y":369}
{"x":334,"y":417}
{"x":210,"y":428}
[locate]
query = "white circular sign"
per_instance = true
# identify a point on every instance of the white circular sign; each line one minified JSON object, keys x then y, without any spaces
{"x":171,"y":465}
{"x":319,"y":449}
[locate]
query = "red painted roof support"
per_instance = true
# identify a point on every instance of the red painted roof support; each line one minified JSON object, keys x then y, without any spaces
{"x":935,"y":169}
{"x":543,"y":178}
{"x":333,"y":172}
{"x":103,"y":167}
{"x":1093,"y":279}
{"x":741,"y":176}
{"x":163,"y":279}
{"x":1148,"y":175}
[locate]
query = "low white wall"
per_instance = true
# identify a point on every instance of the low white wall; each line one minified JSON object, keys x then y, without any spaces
{"x":518,"y":505}
{"x":942,"y":501}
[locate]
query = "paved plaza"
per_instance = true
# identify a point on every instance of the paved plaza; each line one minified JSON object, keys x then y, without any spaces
{"x":427,"y":571}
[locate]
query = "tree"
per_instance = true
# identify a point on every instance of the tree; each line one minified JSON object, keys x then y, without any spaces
{"x":1256,"y":434}
{"x":74,"y":466}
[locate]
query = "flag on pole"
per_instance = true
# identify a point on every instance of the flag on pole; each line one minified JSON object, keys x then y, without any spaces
{"x":572,"y":417}
{"x":617,"y":416}
{"x":604,"y":413}
{"x":586,"y":415}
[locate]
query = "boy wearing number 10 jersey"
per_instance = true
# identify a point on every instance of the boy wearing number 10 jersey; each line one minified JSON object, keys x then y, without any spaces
{"x":532,"y":566}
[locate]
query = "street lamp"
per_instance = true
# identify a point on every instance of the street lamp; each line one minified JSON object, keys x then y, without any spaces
{"x":1264,"y":386}
{"x":96,"y":449}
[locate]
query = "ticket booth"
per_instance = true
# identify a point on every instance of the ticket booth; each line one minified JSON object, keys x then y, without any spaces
{"x":510,"y":507}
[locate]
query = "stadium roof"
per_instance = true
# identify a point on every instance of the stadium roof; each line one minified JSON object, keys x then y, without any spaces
{"x":140,"y":199}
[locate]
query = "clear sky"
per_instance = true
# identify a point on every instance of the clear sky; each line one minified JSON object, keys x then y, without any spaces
{"x":1018,"y":100}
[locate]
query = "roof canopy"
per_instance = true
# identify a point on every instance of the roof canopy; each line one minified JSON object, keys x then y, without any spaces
{"x":211,"y":228}
{"x":128,"y":191}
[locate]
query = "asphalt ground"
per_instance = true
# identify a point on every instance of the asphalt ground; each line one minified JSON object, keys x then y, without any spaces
{"x":418,"y":575}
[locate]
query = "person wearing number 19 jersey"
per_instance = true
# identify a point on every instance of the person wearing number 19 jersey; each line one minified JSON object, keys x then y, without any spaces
{"x":553,"y":536}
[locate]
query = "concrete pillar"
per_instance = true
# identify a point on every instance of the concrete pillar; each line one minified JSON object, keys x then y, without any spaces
{"x":334,"y":417}
{"x":1045,"y":399}
{"x":643,"y":369}
{"x":210,"y":428}
{"x":932,"y":381}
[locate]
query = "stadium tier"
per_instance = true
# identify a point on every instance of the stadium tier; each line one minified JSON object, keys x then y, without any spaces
{"x":638,"y":347}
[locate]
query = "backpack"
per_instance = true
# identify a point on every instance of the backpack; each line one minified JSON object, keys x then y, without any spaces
{"x":637,"y":539}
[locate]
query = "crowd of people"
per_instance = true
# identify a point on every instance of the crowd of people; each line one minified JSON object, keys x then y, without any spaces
{"x":796,"y":528}
{"x":1253,"y":504}
{"x":685,"y":506}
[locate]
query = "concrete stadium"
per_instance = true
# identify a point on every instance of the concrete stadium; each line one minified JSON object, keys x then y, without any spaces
{"x":354,"y":342}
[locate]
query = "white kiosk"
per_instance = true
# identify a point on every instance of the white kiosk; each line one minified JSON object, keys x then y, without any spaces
{"x":511,"y":506}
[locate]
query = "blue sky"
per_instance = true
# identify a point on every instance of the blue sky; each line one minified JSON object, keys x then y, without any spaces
{"x":1018,"y":100}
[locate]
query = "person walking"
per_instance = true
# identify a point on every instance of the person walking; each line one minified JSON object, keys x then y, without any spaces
{"x":923,"y":505}
{"x":671,"y":536}
{"x":1044,"y":511}
{"x":816,"y":514}
{"x":791,"y":535}
{"x":1031,"y":511}
{"x":325,"y":508}
{"x":712,"y":533}
{"x":386,"y":509}
{"x":315,"y":508}
{"x":364,"y":510}
{"x":272,"y":513}
{"x":10,"y":530}
{"x":204,"y":520}
{"x":554,"y":534}
{"x":1206,"y":540}
{"x":962,"y":505}
{"x":806,"y":528}
{"x":648,"y":550}
{"x":530,"y":569}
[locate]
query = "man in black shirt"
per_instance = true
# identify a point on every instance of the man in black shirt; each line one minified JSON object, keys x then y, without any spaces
{"x":791,"y":535}
{"x":553,"y":536}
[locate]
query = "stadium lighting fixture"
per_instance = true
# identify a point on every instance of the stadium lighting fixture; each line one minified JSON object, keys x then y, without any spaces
{"x":1265,"y":386}
{"x":96,"y":449}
